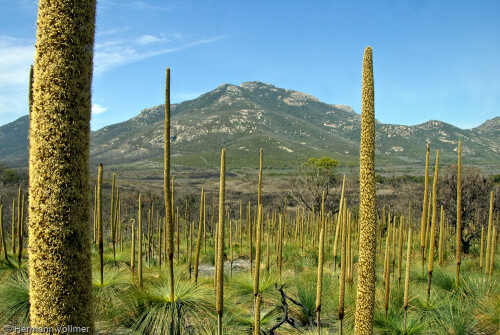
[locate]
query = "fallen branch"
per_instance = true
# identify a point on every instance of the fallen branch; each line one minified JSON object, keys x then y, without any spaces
{"x":284,"y":306}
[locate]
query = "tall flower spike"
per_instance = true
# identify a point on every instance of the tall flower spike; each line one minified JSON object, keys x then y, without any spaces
{"x":220,"y":244}
{"x":60,"y":273}
{"x":169,"y":241}
{"x":459,"y":212}
{"x":365,"y":297}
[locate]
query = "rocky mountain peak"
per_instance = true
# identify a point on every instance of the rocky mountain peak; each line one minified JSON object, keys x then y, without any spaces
{"x":290,"y":125}
{"x":490,"y":125}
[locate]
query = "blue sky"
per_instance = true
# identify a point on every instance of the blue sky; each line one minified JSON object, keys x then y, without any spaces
{"x":432,"y":59}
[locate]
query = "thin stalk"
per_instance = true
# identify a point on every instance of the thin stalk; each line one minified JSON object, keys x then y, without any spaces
{"x":99,"y":220}
{"x":400,"y":249}
{"x":20,"y":232}
{"x":433,"y":228}
{"x":132,"y":251}
{"x":166,"y":188}
{"x":112,"y":219}
{"x":459,"y":213}
{"x":198,"y":241}
{"x":407,"y":277}
{"x":488,"y":239}
{"x":424,"y":207}
{"x":481,"y":257}
{"x":342,"y":220}
{"x":258,"y":302}
{"x":139,"y":232}
{"x":2,"y":235}
{"x":220,"y":245}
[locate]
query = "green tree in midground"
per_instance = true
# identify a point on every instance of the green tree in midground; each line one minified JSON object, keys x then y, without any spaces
{"x":316,"y":176}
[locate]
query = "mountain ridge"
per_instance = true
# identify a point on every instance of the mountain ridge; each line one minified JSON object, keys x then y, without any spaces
{"x":290,"y":125}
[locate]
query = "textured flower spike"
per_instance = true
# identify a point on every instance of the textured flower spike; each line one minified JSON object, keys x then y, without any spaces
{"x":365,"y":298}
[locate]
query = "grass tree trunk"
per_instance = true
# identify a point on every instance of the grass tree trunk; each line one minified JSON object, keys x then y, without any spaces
{"x":365,"y":297}
{"x":59,"y":233}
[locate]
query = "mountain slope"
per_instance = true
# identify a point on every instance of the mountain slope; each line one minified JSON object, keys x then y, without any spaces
{"x":291,"y":126}
{"x":14,"y":142}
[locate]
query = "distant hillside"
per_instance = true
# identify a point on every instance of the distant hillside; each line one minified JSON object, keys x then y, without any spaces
{"x":291,"y":126}
{"x":14,"y":142}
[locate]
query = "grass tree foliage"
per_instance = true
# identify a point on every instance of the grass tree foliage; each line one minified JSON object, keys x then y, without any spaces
{"x":123,"y":305}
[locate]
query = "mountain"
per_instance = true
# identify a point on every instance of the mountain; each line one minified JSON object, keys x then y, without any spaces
{"x":14,"y":142}
{"x":291,"y":127}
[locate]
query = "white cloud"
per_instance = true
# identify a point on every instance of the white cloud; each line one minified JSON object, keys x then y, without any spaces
{"x":177,"y":35}
{"x":113,"y":53}
{"x":148,"y":39}
{"x":16,"y":57}
{"x":98,"y":109}
{"x":110,"y":31}
{"x":15,"y":60}
{"x":142,"y":5}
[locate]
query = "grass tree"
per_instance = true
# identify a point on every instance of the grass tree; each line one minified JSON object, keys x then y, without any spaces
{"x":59,"y":235}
